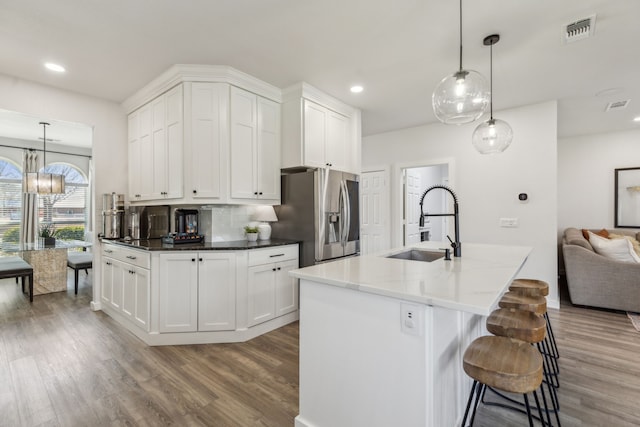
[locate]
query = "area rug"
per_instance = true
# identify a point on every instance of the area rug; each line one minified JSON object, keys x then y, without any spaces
{"x":635,"y":320}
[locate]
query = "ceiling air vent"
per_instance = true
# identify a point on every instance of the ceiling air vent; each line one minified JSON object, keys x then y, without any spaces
{"x":617,"y":105}
{"x":578,"y":30}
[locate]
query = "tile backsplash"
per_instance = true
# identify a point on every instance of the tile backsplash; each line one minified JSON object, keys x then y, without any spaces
{"x":224,"y":222}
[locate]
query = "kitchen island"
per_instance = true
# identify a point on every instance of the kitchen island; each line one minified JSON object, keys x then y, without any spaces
{"x":382,"y":339}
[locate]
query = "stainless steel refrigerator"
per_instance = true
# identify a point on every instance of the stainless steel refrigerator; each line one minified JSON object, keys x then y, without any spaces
{"x":320,"y":208}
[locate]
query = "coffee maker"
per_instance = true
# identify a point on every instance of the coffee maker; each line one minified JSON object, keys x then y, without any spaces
{"x":186,"y":227}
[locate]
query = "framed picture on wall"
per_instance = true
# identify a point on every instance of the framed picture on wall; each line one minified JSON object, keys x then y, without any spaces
{"x":627,"y":198}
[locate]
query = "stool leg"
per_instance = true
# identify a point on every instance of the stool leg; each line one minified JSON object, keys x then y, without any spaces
{"x":526,"y":403}
{"x":75,"y":273}
{"x":22,"y":280}
{"x":552,"y":337}
{"x":31,"y":287}
{"x":476,"y":390}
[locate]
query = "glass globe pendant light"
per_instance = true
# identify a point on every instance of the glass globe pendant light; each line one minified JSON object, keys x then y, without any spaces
{"x":460,"y":97}
{"x":494,"y":135}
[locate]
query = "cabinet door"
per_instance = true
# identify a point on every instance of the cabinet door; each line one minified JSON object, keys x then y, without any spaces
{"x":336,"y":148}
{"x":172,"y":166}
{"x":134,"y":155}
{"x":243,"y":144}
{"x":144,"y":164}
{"x":268,"y":149}
{"x":286,"y":288}
{"x":107,"y":280}
{"x":216,"y":291}
{"x":315,"y":119}
{"x":209,"y":140}
{"x":178,"y":291}
{"x":158,"y":149}
{"x":129,"y":292}
{"x":119,"y":271}
{"x":142,"y":297}
{"x":261,"y":293}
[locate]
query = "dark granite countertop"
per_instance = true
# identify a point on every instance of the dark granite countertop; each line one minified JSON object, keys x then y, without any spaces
{"x":234,"y":245}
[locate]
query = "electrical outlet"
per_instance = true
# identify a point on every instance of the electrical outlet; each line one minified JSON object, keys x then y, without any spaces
{"x":411,"y":319}
{"x":509,"y":222}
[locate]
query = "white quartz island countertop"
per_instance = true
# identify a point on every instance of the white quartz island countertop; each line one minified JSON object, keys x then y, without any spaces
{"x":472,"y":283}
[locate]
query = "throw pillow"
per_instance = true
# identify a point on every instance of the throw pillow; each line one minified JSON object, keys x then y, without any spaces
{"x":617,"y":249}
{"x":602,"y":233}
{"x":634,"y":242}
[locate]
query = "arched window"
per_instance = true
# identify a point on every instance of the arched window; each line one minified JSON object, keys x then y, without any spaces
{"x":10,"y":200}
{"x":67,"y":212}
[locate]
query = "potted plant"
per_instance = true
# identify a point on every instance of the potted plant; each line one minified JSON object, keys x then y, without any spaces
{"x":47,"y":235}
{"x":251,"y":232}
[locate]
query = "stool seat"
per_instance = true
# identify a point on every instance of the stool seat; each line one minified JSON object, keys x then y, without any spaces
{"x":17,"y":267}
{"x":530,"y":287}
{"x":79,"y":261}
{"x":503,"y":363}
{"x":518,"y":324}
{"x":537,"y":305}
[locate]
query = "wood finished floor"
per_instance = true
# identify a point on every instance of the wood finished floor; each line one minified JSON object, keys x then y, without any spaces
{"x":63,"y":365}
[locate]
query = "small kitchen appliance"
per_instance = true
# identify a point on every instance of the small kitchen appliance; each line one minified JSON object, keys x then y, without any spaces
{"x":186,"y":228}
{"x":112,"y":216}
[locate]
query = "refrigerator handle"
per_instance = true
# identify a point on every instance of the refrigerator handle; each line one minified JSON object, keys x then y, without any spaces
{"x":345,"y":216}
{"x":323,"y":174}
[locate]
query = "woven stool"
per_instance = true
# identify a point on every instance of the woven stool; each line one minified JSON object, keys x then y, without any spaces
{"x":505,"y":364}
{"x":533,"y":287}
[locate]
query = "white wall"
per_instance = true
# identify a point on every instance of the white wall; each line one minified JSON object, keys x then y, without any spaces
{"x":109,"y":124}
{"x":586,"y":177}
{"x":488,"y":186}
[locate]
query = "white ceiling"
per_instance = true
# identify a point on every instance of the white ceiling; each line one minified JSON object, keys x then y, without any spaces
{"x":397,"y":49}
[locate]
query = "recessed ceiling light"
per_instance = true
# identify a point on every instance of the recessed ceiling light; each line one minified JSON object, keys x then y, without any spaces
{"x":55,"y":67}
{"x":356,"y":89}
{"x":636,"y":119}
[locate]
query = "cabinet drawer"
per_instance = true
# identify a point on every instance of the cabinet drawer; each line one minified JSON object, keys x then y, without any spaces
{"x":130,"y":256}
{"x":269,"y":255}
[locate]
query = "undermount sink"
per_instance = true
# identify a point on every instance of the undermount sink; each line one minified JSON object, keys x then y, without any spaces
{"x":418,"y":255}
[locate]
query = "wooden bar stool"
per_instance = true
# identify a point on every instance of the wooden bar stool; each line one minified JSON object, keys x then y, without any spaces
{"x":505,"y":364}
{"x":533,"y":287}
{"x":537,"y":305}
{"x":531,"y":328}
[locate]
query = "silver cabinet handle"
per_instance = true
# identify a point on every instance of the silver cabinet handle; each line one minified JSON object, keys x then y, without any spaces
{"x":131,"y":257}
{"x":109,"y":251}
{"x":276,"y":255}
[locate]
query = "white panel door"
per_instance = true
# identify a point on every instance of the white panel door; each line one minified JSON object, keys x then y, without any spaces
{"x":145,"y":160}
{"x":337,"y":139}
{"x":216,"y":291}
{"x":158,"y":150}
{"x":173,"y":164}
{"x":374,"y":223}
{"x":261,"y":284}
{"x":268,"y":149}
{"x":243,"y":144}
{"x":286,"y":288}
{"x":178,"y":292}
{"x":315,"y":119}
{"x":209,"y":139}
{"x":413,"y":191}
{"x":142,"y":286}
{"x":107,"y":280}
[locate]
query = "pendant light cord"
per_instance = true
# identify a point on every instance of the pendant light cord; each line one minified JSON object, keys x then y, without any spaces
{"x":44,"y":153}
{"x":491,"y":80}
{"x":460,"y":35}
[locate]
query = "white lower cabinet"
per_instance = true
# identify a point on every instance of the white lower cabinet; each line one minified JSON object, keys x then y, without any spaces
{"x":197,"y":291}
{"x":271,"y":292}
{"x":126,"y":283}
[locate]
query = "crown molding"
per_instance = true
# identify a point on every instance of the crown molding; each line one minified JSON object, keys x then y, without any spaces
{"x":305,"y":90}
{"x":181,"y":73}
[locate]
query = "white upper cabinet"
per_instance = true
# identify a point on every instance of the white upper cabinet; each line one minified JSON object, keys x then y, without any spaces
{"x":319,"y":131}
{"x":195,"y":139}
{"x":207,"y":141}
{"x":155,"y":148}
{"x":255,"y":148}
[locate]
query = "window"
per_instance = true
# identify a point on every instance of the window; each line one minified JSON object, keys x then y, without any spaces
{"x":67,"y":212}
{"x":10,"y":201}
